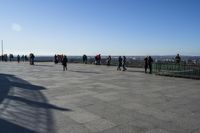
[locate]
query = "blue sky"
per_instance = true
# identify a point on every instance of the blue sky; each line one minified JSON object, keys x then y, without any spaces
{"x":116,"y":27}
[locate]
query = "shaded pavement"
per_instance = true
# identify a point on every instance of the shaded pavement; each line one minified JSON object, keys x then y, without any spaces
{"x":24,"y":109}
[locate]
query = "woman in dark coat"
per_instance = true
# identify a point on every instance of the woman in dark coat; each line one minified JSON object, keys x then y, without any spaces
{"x":124,"y":63}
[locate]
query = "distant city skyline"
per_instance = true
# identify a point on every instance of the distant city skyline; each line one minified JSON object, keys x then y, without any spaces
{"x":108,"y":27}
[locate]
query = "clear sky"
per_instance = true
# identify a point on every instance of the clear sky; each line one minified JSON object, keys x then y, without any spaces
{"x":116,"y":27}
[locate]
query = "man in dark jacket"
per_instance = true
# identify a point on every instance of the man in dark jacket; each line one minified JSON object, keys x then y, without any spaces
{"x":119,"y":63}
{"x":64,"y":63}
{"x":145,"y":64}
{"x":150,"y":61}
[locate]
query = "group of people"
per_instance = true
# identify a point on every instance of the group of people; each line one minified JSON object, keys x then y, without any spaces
{"x":61,"y":59}
{"x":19,"y":58}
{"x":11,"y":57}
{"x":4,"y":57}
{"x":58,"y":58}
{"x":98,"y":59}
{"x":121,"y":61}
{"x":64,"y":60}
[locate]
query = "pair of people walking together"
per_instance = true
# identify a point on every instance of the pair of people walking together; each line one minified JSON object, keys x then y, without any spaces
{"x":121,"y":63}
{"x":148,"y":64}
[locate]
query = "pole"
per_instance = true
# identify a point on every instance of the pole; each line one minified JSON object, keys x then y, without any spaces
{"x":2,"y":50}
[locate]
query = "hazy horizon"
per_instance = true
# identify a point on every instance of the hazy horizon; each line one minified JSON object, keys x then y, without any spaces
{"x":108,"y":27}
{"x":105,"y":55}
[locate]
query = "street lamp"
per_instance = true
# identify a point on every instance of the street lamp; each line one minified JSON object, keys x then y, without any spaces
{"x":2,"y":50}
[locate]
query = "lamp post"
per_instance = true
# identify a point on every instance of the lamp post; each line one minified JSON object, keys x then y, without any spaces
{"x":2,"y":50}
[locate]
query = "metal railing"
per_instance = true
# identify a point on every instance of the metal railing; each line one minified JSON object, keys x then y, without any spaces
{"x":177,"y":70}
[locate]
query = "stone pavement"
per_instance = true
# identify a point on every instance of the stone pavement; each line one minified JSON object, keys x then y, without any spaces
{"x":95,"y":99}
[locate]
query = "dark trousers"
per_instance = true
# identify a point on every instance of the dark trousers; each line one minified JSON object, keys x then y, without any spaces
{"x":145,"y":68}
{"x":64,"y":67}
{"x":31,"y":62}
{"x":124,"y":67}
{"x":119,"y":67}
{"x":150,"y":68}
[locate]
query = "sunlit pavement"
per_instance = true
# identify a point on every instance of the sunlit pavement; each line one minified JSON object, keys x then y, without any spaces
{"x":95,"y":99}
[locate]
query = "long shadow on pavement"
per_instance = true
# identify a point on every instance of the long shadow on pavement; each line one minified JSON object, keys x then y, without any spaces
{"x":79,"y":71}
{"x":23,"y":107}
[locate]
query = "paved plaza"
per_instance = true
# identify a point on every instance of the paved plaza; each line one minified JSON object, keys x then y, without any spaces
{"x":95,"y":99}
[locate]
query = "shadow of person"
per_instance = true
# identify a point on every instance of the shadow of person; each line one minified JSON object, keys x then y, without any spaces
{"x":24,"y":108}
{"x":4,"y":86}
{"x":9,"y":127}
{"x":79,"y":71}
{"x":138,"y":71}
{"x":44,"y":65}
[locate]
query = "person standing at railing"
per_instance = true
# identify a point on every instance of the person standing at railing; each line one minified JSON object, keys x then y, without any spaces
{"x":18,"y":58}
{"x":178,"y":58}
{"x":145,"y":64}
{"x":5,"y":57}
{"x":11,"y":57}
{"x":85,"y":59}
{"x":150,"y":61}
{"x":26,"y":58}
{"x":178,"y":61}
{"x":99,"y":59}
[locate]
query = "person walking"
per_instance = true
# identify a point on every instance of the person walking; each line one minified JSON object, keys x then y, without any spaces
{"x":64,"y":62}
{"x":124,"y":63}
{"x":145,"y":64}
{"x":119,"y":63}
